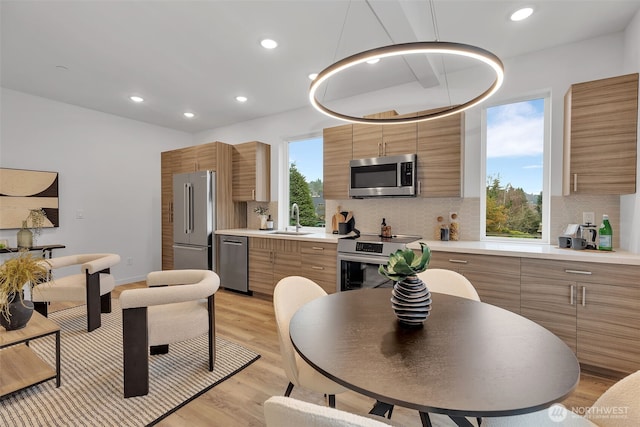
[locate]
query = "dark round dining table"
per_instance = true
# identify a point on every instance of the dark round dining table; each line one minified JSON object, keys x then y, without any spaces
{"x":468,"y":359}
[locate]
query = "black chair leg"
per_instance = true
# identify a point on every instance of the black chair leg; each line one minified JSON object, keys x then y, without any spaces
{"x":287,"y":393}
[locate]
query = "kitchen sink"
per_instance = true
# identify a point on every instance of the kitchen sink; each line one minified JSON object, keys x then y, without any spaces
{"x":291,"y":233}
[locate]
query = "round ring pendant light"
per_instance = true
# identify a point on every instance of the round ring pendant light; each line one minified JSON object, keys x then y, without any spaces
{"x":437,"y":47}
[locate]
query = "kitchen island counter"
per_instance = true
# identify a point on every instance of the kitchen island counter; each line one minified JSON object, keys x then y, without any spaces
{"x":530,"y":250}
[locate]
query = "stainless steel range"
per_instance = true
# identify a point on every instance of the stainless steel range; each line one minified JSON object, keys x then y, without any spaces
{"x":359,"y":258}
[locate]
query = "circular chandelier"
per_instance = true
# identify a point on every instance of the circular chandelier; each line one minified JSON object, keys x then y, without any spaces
{"x":436,"y":47}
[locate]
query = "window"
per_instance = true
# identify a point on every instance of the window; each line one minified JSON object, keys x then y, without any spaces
{"x":516,"y":197}
{"x":305,"y":160}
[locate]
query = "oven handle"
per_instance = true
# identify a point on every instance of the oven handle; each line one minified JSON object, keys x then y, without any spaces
{"x":363,"y":258}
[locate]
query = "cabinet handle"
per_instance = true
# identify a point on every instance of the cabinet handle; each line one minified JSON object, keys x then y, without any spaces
{"x":572,"y":295}
{"x":379,"y":148}
{"x":584,"y":296}
{"x":253,"y":194}
{"x":316,"y":248}
{"x":575,"y":182}
{"x":419,"y":188}
{"x":458,"y":261}
{"x":384,"y":148}
{"x":317,"y":268}
{"x":586,"y":273}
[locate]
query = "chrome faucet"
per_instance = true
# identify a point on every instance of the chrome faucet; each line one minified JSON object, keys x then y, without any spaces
{"x":295,"y":210}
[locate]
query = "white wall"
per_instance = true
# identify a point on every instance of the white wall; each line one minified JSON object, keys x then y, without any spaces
{"x":109,"y":167}
{"x":630,"y":204}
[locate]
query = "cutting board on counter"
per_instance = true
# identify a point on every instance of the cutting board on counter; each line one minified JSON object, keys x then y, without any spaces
{"x":337,"y":218}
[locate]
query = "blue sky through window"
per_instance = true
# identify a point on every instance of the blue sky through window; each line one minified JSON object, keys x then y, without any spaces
{"x":308,"y":157}
{"x":515,"y":144}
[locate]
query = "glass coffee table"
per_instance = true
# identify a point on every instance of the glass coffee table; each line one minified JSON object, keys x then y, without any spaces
{"x":21,"y":366}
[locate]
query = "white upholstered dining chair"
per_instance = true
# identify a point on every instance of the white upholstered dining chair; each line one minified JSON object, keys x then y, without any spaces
{"x":177,"y":305}
{"x":619,"y":406}
{"x":93,"y":285}
{"x":448,"y":282}
{"x":289,"y":295}
{"x":280,"y":411}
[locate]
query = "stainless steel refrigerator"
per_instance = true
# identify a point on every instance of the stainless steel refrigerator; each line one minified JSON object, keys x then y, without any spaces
{"x":194,"y":219}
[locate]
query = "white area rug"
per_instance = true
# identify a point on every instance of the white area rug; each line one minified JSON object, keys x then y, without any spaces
{"x":91,"y":392}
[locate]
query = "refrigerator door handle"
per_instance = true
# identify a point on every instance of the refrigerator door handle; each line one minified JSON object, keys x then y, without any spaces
{"x":185,"y":208}
{"x":191,"y":248}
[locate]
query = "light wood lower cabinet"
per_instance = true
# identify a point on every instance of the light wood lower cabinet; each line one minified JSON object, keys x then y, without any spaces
{"x":319,"y":263}
{"x":594,"y":308}
{"x":496,"y":278}
{"x":270,"y":260}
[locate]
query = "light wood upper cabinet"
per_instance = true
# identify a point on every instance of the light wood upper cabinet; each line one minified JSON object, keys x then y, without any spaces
{"x":440,"y":149}
{"x":600,"y":136}
{"x":384,"y":140}
{"x":337,"y":154}
{"x":252,"y":172}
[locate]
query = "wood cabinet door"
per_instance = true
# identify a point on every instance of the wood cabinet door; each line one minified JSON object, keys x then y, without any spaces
{"x":439,"y":151}
{"x":206,"y":156}
{"x":601,"y":119}
{"x":169,"y":163}
{"x":252,"y":172}
{"x":320,"y":264}
{"x":367,"y":141}
{"x":287,"y":261}
{"x":609,"y":326}
{"x":260,"y":265}
{"x":496,"y":278}
{"x":552,"y":304}
{"x":337,"y":152}
{"x":399,"y":139}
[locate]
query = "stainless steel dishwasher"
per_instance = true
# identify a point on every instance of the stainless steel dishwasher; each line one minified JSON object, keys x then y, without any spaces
{"x":234,"y":265}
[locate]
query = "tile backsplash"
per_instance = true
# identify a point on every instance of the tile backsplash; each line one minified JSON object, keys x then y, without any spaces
{"x":419,"y":216}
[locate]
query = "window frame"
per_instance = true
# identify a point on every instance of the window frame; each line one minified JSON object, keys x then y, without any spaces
{"x":283,"y":180}
{"x":546,"y":171}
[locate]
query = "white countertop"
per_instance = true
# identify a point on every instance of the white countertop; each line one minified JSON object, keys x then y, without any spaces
{"x":312,"y":237}
{"x":530,"y":250}
{"x":513,"y":249}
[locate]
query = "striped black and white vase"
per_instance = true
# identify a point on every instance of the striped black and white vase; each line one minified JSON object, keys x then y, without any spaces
{"x":411,"y":301}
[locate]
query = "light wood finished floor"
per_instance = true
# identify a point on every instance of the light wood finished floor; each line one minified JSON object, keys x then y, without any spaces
{"x":238,"y":401}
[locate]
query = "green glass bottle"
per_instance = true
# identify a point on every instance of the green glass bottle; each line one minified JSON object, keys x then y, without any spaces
{"x":606,"y":235}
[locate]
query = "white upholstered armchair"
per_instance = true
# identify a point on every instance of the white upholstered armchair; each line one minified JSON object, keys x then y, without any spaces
{"x":92,"y":286}
{"x":176,"y":306}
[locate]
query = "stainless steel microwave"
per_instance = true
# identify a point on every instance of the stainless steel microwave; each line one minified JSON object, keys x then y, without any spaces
{"x":390,"y":176}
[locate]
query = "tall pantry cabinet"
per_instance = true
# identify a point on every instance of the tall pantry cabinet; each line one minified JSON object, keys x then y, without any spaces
{"x":214,"y":156}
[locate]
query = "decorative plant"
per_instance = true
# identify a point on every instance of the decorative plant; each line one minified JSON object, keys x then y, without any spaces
{"x":15,"y":273}
{"x":261,"y":210}
{"x":37,"y":217}
{"x":404,"y":263}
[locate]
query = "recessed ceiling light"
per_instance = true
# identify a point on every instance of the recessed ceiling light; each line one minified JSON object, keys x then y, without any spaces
{"x":189,"y":115}
{"x":373,"y":61}
{"x":313,"y":76}
{"x":521,"y":14}
{"x":241,"y":98}
{"x":269,"y":44}
{"x":135,"y":98}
